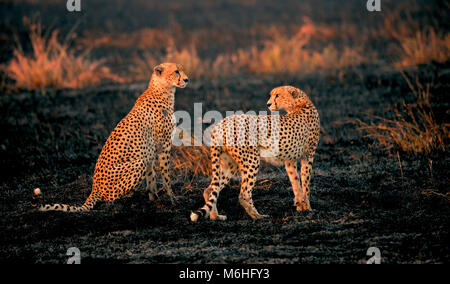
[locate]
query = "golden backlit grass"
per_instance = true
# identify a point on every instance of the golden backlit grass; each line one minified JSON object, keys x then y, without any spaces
{"x":281,"y":49}
{"x":295,"y":53}
{"x":425,"y":47}
{"x":310,"y":46}
{"x":279,"y":53}
{"x":413,"y":129}
{"x":53,"y":64}
{"x":192,"y":160}
{"x":189,"y":161}
{"x":416,"y":42}
{"x":142,"y":67}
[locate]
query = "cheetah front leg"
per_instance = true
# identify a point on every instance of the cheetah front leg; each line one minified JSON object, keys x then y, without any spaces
{"x":306,"y":177}
{"x":292,"y":171}
{"x":165,"y":167}
{"x":150,"y":175}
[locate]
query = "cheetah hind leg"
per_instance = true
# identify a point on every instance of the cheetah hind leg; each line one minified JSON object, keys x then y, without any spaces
{"x":228,"y":169}
{"x":206,"y":193}
{"x":210,"y":193}
{"x":245,"y":197}
{"x":150,"y":176}
{"x":213,"y":214}
{"x":250,"y":208}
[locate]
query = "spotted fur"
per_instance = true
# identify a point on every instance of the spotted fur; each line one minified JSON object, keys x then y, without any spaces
{"x":142,"y":137}
{"x":284,"y":139}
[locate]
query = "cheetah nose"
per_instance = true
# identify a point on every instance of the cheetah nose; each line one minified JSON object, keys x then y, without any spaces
{"x":186,"y":80}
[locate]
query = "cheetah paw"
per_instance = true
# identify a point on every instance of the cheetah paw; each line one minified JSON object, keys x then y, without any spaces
{"x":218,"y":217}
{"x":259,"y":216}
{"x":303,"y":207}
{"x":153,"y":196}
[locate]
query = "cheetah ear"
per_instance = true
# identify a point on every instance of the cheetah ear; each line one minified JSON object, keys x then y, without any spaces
{"x":158,"y":70}
{"x":295,"y":93}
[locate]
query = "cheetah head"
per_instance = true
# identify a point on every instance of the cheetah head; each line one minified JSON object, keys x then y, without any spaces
{"x":285,"y":98}
{"x":171,"y":74}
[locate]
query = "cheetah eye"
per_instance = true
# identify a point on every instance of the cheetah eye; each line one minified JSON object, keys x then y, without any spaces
{"x":276,"y":96}
{"x":177,"y":72}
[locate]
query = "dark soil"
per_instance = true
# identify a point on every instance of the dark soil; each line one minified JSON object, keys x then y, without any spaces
{"x":362,"y":196}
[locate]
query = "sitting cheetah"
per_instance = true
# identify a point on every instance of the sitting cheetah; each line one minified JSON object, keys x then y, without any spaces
{"x":138,"y":140}
{"x":279,"y":138}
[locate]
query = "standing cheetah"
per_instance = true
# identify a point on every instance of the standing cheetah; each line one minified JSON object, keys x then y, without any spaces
{"x":131,"y":150}
{"x":241,"y":141}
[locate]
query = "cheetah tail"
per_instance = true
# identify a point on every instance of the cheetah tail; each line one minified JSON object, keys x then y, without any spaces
{"x":37,"y":197}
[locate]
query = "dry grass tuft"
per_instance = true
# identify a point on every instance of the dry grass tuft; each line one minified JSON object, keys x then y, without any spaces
{"x":425,"y":47}
{"x":192,"y":161}
{"x":414,"y":128}
{"x":53,"y":64}
{"x":417,"y":42}
{"x":290,"y":55}
{"x":188,"y":57}
{"x":296,"y":53}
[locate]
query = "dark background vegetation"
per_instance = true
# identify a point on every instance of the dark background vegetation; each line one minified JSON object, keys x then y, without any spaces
{"x":364,"y":192}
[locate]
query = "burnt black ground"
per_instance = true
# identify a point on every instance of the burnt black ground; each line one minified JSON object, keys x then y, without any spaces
{"x":360,"y":196}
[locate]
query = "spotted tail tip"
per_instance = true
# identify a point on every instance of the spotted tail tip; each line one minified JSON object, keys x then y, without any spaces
{"x":194,"y":217}
{"x":37,"y":195}
{"x":37,"y":191}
